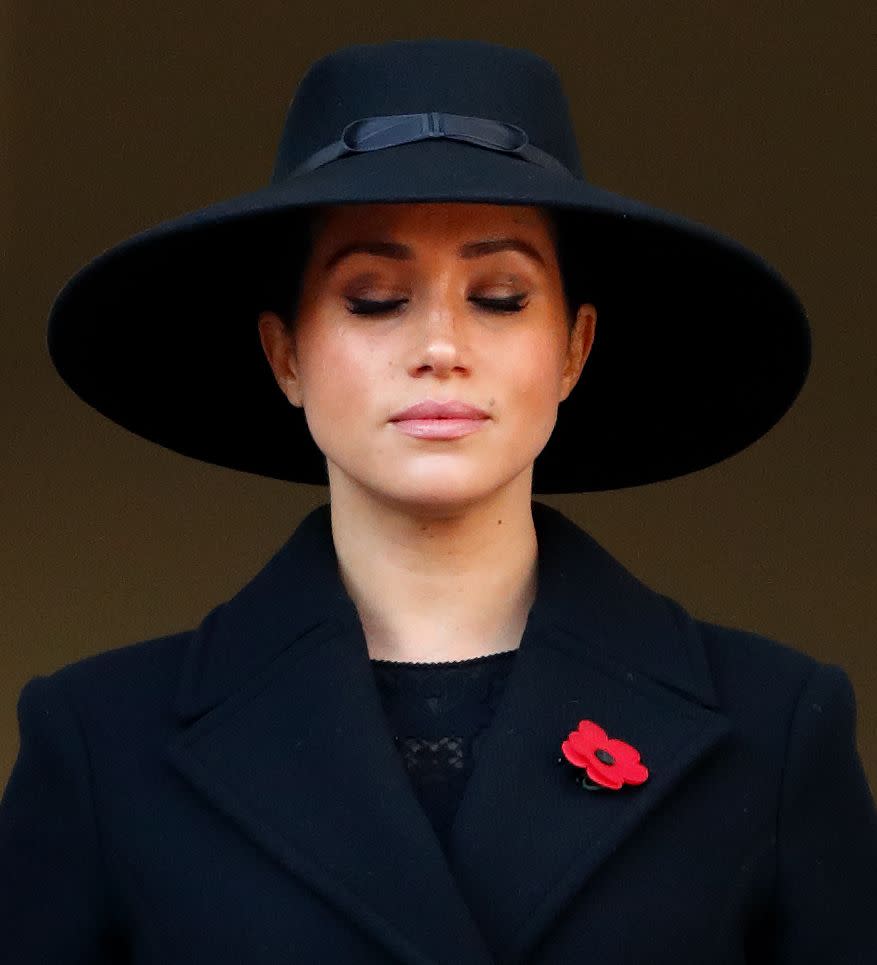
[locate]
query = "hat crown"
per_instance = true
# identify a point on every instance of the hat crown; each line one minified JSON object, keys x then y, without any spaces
{"x":467,"y":77}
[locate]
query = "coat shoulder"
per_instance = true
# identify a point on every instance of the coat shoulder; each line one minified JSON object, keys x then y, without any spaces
{"x":747,"y":662}
{"x":122,"y":677}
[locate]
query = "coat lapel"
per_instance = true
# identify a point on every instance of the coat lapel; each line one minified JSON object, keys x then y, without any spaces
{"x":288,"y":738}
{"x":285,"y":733}
{"x":599,"y":646}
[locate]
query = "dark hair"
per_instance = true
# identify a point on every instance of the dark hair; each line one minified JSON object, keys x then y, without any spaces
{"x":287,"y":261}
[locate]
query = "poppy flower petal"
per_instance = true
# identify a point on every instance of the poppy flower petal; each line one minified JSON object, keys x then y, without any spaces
{"x":573,"y":754}
{"x":635,"y":773}
{"x":607,"y":776}
{"x":582,"y":745}
{"x":622,"y":752}
{"x":591,"y":732}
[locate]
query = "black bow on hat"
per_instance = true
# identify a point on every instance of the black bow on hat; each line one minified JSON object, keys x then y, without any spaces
{"x":701,"y":346}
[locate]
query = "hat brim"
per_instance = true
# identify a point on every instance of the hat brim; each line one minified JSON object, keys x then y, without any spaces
{"x":701,"y":346}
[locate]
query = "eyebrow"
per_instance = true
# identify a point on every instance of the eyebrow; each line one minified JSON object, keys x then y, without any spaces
{"x":472,"y":249}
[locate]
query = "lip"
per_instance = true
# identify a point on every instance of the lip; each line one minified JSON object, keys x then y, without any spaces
{"x":439,"y":428}
{"x":432,"y":409}
{"x":431,"y":419}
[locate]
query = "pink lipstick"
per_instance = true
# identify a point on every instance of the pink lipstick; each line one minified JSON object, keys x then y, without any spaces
{"x":431,"y":419}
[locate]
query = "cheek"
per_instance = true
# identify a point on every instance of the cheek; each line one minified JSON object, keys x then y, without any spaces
{"x":339,"y":374}
{"x":534,"y":371}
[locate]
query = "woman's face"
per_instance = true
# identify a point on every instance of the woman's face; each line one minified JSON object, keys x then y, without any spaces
{"x":406,"y":303}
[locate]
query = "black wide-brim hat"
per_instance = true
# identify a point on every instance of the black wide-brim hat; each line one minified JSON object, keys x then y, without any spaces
{"x":700,"y":345}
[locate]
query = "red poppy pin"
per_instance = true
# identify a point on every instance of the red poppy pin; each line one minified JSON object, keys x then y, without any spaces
{"x":608,"y":763}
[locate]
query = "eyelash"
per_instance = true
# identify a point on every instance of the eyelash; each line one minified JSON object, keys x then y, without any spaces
{"x":364,"y":306}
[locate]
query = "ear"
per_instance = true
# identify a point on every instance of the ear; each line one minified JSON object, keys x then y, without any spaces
{"x":278,"y":345}
{"x":581,"y":338}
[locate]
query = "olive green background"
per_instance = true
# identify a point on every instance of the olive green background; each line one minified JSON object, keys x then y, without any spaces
{"x":756,"y":119}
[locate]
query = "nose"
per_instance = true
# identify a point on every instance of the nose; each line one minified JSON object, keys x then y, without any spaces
{"x":441,"y":341}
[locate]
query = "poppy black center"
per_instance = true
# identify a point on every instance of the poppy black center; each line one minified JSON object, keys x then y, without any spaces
{"x":604,"y":756}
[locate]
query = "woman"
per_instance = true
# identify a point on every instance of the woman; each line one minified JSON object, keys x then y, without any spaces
{"x":442,"y":724}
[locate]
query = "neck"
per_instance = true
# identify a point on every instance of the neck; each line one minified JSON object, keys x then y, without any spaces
{"x":432,"y":586}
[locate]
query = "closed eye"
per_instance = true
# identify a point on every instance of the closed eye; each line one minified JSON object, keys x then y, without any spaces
{"x":365,"y":306}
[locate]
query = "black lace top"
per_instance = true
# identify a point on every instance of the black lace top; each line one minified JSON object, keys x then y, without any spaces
{"x":437,"y":713}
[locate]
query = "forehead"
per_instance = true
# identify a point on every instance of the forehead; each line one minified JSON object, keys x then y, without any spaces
{"x":451,"y":220}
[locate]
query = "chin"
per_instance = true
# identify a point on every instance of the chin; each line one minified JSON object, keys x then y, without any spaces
{"x":433,"y":490}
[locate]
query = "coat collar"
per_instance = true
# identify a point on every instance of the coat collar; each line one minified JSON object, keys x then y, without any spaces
{"x":277,"y":695}
{"x":582,"y":590}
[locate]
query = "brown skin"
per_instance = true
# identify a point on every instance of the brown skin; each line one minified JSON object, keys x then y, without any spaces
{"x":435,"y":538}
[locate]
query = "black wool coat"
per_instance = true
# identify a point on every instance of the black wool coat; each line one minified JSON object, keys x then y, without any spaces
{"x":232,"y":794}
